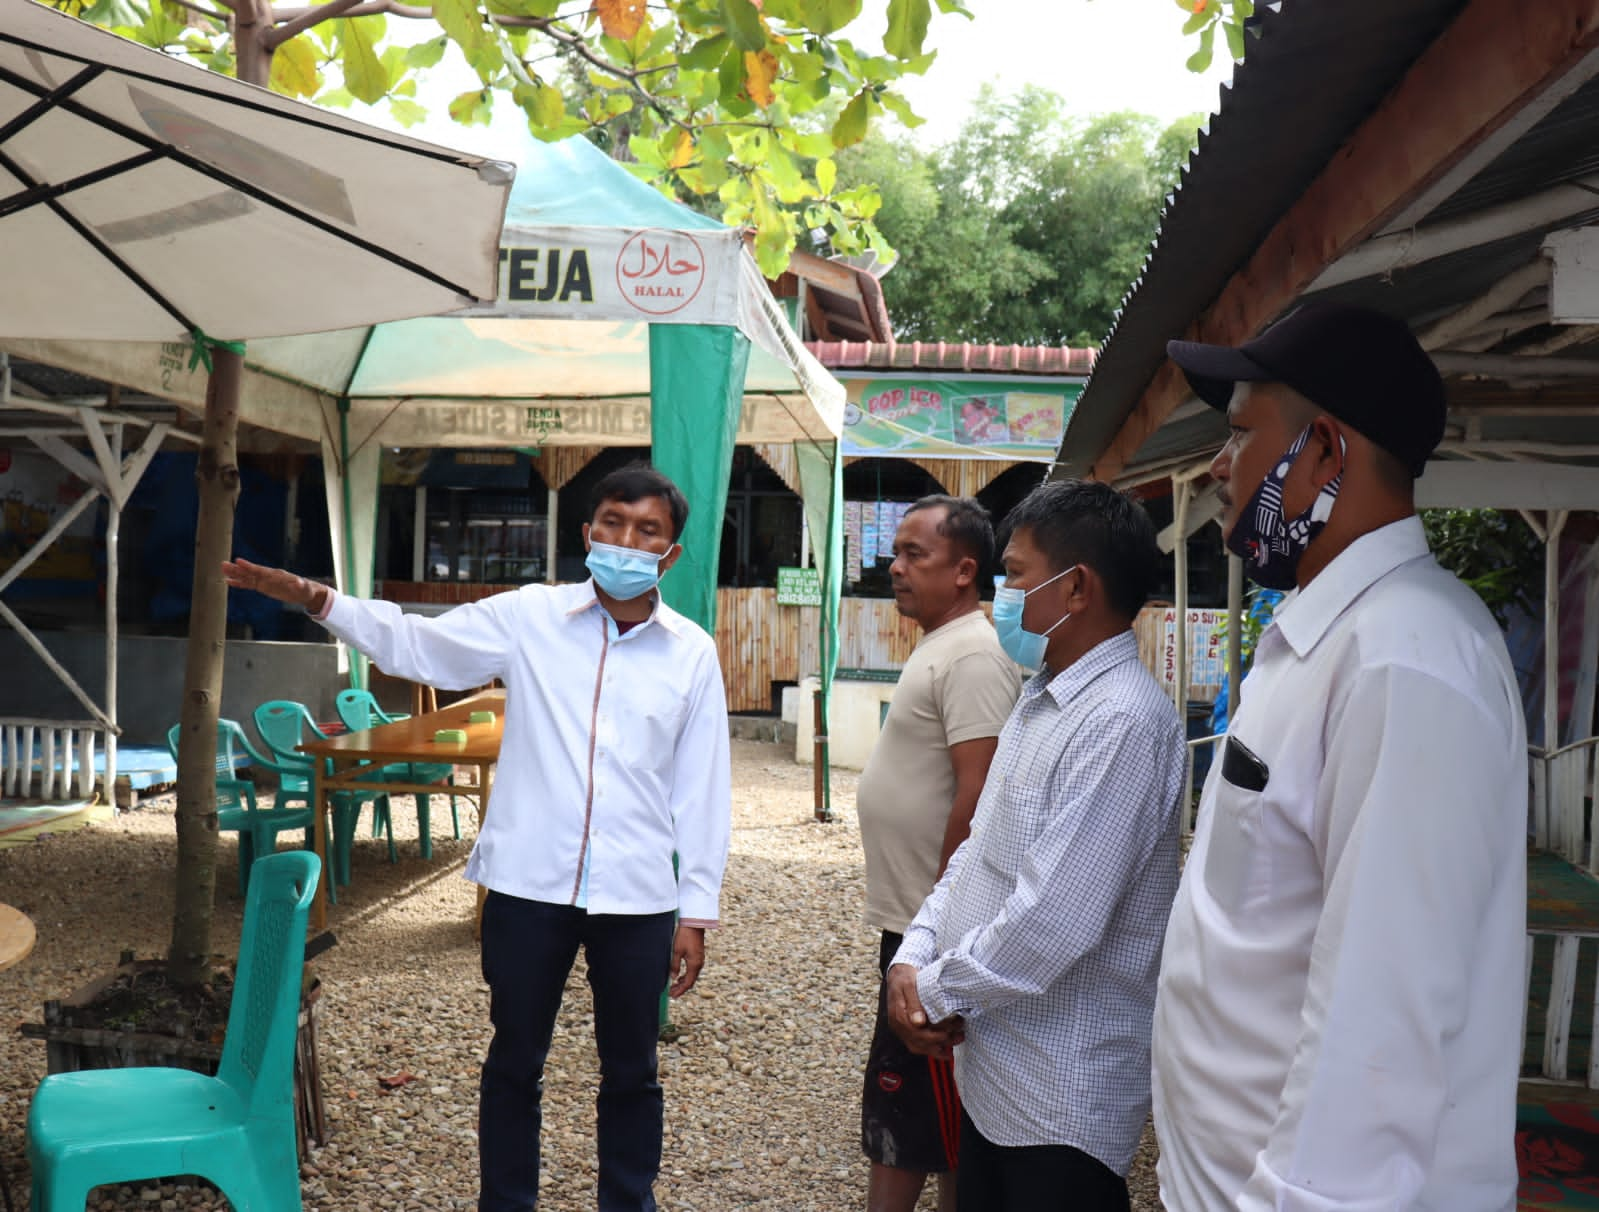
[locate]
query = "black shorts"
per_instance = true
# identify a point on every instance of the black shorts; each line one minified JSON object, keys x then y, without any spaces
{"x":910,"y":1111}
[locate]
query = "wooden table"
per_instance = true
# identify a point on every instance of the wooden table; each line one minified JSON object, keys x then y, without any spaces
{"x":16,"y":936}
{"x":404,"y":741}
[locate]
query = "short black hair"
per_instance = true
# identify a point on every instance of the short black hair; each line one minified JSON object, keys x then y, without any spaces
{"x":1083,"y":522}
{"x":966,"y":524}
{"x":636,"y":481}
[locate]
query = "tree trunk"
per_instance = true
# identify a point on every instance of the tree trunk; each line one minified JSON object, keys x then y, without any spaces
{"x":218,"y":475}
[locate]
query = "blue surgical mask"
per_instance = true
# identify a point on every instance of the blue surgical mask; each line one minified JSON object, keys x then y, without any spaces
{"x":623,"y":572}
{"x":1024,"y":647}
{"x":1271,"y":544}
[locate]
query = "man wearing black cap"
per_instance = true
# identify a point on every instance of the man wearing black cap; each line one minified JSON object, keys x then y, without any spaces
{"x":1338,"y":1023}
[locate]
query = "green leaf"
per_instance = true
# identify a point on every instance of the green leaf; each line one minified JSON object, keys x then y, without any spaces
{"x":715,"y":146}
{"x":852,"y":123}
{"x":907,"y":27}
{"x":647,"y":152}
{"x":826,"y":175}
{"x":706,"y":53}
{"x":744,"y":25}
{"x":1243,"y":10}
{"x":463,"y":21}
{"x":1235,"y":40}
{"x":335,"y":98}
{"x":617,"y":104}
{"x":364,"y":73}
{"x":828,"y":16}
{"x":549,"y":106}
{"x":474,"y":108}
{"x":426,"y":54}
{"x":294,"y":69}
{"x":1199,"y":20}
{"x":1199,"y":61}
{"x":407,"y":113}
{"x":901,"y":109}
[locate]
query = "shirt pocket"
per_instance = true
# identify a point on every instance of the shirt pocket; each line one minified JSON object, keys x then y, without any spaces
{"x":1011,"y":824}
{"x":1235,"y":860}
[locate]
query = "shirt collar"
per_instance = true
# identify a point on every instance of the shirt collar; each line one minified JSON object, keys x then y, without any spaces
{"x":1069,"y":682}
{"x":1305,"y":615}
{"x":588,"y":599}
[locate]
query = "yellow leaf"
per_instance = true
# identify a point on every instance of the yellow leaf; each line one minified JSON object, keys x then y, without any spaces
{"x":294,"y":69}
{"x":759,"y":72}
{"x":683,"y":152}
{"x":620,"y":18}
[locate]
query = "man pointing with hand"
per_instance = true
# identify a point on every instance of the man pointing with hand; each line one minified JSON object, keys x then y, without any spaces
{"x":615,"y":757}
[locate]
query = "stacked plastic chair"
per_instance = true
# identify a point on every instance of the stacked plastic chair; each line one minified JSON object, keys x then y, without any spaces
{"x":236,"y":1130}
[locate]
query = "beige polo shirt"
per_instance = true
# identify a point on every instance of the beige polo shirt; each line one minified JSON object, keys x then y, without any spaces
{"x":958,"y":685}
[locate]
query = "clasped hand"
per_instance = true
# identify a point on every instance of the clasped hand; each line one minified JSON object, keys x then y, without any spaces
{"x":908,"y":1018}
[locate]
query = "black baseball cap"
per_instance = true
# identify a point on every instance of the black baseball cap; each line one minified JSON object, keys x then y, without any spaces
{"x":1357,"y":364}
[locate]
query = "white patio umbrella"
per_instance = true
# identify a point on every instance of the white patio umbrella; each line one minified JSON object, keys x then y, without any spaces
{"x":145,"y":199}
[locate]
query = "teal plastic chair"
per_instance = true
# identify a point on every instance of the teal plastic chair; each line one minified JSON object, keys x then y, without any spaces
{"x":236,"y":1130}
{"x":283,"y":725}
{"x":237,"y":809}
{"x":358,"y":711}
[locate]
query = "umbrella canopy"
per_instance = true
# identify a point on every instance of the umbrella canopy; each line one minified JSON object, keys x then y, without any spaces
{"x":144,"y":199}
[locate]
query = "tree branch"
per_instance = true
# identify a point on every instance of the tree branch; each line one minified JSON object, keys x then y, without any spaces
{"x":303,"y":19}
{"x":205,"y":12}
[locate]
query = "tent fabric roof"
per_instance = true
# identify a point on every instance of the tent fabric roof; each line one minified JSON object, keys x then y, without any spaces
{"x":572,"y":183}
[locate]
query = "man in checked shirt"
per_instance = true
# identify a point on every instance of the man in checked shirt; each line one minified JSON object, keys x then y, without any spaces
{"x":1035,"y":957}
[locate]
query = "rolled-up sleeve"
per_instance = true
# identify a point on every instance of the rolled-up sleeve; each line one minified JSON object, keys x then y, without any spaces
{"x":459,"y":649}
{"x":702,"y":790}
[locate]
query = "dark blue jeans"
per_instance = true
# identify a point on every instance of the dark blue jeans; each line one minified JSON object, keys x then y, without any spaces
{"x":528,"y":949}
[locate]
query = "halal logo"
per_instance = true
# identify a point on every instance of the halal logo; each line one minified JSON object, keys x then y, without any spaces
{"x":660,"y":272}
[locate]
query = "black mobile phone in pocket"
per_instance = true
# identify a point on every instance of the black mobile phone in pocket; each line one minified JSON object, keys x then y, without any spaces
{"x":1242,"y":768}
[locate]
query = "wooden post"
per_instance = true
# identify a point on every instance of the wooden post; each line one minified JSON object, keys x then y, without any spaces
{"x":819,"y":758}
{"x":113,"y":529}
{"x":419,"y":536}
{"x":1554,"y":524}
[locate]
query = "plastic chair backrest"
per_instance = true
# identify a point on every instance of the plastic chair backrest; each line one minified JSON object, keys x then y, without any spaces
{"x":228,"y":734}
{"x":359,"y":710}
{"x":282,"y":724}
{"x":263,"y":1019}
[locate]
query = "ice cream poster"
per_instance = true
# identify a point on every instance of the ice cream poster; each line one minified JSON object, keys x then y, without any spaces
{"x":961,"y":420}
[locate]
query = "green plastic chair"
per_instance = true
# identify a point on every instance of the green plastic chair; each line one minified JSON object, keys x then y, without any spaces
{"x":358,"y":711}
{"x":283,"y":725}
{"x":236,"y":1129}
{"x":237,"y":809}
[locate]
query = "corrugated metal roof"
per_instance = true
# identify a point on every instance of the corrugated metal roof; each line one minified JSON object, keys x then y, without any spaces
{"x":966,"y":357}
{"x":1313,"y":72}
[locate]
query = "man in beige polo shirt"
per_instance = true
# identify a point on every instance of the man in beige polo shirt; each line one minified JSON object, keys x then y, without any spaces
{"x":915,"y":799}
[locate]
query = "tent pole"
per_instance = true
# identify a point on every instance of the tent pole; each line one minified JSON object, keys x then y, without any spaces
{"x":1235,"y":631}
{"x":352,"y":585}
{"x":1555,"y":523}
{"x":419,"y":536}
{"x":1182,"y":492}
{"x":551,"y":517}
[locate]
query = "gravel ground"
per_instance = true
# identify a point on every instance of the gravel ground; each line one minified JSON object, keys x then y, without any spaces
{"x":762,"y":1086}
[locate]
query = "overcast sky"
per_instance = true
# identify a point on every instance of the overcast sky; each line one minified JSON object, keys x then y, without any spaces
{"x":1100,"y":55}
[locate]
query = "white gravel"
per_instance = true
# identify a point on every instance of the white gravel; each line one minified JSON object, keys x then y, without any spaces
{"x":762,"y":1086}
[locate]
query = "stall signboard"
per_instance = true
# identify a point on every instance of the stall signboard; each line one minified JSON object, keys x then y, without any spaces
{"x":951,"y":419}
{"x":799,"y":587}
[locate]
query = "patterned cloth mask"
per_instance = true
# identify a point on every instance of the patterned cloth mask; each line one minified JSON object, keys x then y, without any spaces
{"x":1271,"y":545}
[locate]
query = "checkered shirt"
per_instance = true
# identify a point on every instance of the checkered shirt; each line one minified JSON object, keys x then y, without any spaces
{"x":1045,"y":931}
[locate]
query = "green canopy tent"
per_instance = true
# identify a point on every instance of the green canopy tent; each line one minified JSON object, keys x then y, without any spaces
{"x":622,"y":318}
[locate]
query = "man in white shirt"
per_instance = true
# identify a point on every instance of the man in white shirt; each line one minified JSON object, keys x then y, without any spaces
{"x":915,"y":801}
{"x":1339,"y":1017}
{"x":1035,"y":956}
{"x":615,"y":757}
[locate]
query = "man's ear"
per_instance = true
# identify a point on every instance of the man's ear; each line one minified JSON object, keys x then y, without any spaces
{"x":966,"y":571}
{"x":587,"y":546}
{"x":1084,"y":586}
{"x":670,"y":558}
{"x":1330,"y":450}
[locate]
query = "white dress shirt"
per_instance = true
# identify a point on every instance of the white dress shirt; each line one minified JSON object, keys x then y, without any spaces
{"x":1045,"y":930}
{"x":1340,"y":1009}
{"x":615,"y":750}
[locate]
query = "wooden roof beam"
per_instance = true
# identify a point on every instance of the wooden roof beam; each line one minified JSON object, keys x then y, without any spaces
{"x":1498,"y":57}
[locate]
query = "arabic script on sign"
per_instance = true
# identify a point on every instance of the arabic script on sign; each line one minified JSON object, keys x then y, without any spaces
{"x":660,"y":272}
